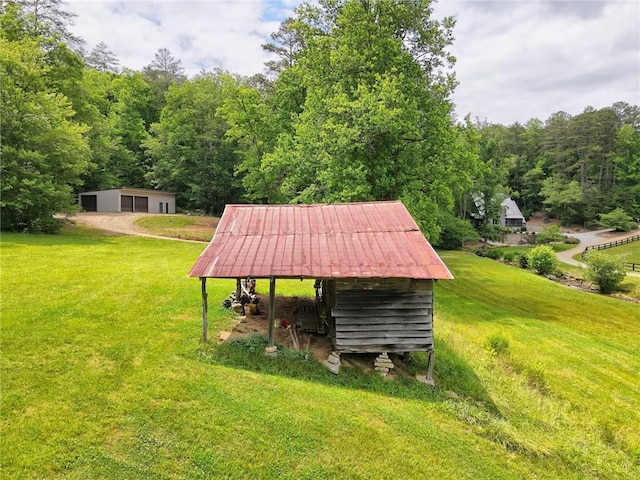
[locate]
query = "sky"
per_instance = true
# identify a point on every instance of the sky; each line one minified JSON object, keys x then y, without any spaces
{"x":516,"y":59}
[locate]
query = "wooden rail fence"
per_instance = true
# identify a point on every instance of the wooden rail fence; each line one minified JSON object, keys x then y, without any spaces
{"x":603,"y":246}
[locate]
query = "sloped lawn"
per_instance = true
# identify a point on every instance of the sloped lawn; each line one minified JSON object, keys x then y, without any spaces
{"x":104,"y":376}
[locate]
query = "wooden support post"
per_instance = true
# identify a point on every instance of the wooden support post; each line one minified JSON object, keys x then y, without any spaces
{"x":205,"y":319}
{"x":238,"y":289}
{"x":430,"y":360}
{"x":272,"y":308}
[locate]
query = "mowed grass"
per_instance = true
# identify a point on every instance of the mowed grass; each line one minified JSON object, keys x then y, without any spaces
{"x":104,"y":376}
{"x":630,"y":252}
{"x":187,"y":227}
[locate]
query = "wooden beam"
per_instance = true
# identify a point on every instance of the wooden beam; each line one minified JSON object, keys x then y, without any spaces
{"x":205,"y":319}
{"x":238,"y":289}
{"x":430,"y":361}
{"x":272,"y":308}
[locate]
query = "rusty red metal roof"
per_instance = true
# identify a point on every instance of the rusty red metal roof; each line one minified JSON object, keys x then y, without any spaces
{"x":345,"y":240}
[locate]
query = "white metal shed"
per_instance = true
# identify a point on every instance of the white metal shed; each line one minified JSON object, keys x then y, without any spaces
{"x":128,"y":200}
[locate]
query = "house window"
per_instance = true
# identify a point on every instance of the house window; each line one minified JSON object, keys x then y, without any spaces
{"x":513,"y":222}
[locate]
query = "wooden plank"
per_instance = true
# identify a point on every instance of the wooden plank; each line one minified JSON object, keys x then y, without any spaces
{"x":361,"y":338}
{"x":384,"y":295}
{"x":384,"y":327}
{"x":397,"y":284}
{"x":380,"y":312}
{"x":391,"y":348}
{"x":422,"y":319}
{"x":346,"y":302}
{"x":397,"y":304}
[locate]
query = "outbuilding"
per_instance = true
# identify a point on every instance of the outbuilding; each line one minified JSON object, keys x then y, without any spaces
{"x":373,"y":267}
{"x":128,"y":200}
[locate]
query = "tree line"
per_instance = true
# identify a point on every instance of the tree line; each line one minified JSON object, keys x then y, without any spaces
{"x":355,"y":106}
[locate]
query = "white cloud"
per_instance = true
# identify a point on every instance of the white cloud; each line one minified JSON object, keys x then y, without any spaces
{"x":517,"y":59}
{"x":202,"y":34}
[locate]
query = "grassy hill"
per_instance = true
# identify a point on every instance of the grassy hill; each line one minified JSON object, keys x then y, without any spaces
{"x":103,"y":376}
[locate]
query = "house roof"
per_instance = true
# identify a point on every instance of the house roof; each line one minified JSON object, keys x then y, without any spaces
{"x":128,"y":189}
{"x":350,"y":240}
{"x":511,"y":209}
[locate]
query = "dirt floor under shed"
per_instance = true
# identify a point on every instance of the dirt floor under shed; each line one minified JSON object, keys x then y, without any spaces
{"x":286,"y":317}
{"x":286,"y":314}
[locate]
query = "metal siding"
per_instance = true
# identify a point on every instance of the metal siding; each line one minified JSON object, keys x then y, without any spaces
{"x":358,"y":240}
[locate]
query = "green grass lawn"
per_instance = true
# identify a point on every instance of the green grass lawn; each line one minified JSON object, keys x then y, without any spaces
{"x":188,"y":227}
{"x":629,"y":251}
{"x":104,"y":376}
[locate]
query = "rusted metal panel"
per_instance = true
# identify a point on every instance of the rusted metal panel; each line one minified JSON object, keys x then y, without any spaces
{"x":350,"y":240}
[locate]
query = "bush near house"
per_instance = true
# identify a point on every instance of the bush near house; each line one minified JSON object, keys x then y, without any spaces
{"x":549,"y":234}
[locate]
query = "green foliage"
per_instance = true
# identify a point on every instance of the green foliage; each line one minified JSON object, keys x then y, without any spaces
{"x":509,"y":257}
{"x":44,"y":152}
{"x":543,"y":259}
{"x":549,"y":234}
{"x":562,"y":198}
{"x":455,"y":232}
{"x":494,"y":253}
{"x":523,"y":260}
{"x":617,"y":219}
{"x":189,"y":153}
{"x":626,"y":191}
{"x":489,"y":231}
{"x":361,"y":112}
{"x":497,"y":344}
{"x":605,"y":271}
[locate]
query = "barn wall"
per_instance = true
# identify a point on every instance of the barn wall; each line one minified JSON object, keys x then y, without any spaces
{"x":383,"y":315}
{"x":106,"y":200}
{"x":154,"y":199}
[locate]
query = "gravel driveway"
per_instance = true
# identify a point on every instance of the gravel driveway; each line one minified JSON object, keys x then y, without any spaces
{"x":593,"y":238}
{"x":119,"y":223}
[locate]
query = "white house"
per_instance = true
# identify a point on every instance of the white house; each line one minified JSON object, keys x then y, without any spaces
{"x":510,"y":215}
{"x":128,"y":200}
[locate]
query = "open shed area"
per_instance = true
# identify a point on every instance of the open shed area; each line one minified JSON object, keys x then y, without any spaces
{"x":373,"y":272}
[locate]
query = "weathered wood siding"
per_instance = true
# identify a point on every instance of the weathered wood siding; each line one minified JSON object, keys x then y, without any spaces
{"x":383,"y":315}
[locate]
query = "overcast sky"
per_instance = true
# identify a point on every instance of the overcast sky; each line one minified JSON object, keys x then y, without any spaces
{"x":516,"y":59}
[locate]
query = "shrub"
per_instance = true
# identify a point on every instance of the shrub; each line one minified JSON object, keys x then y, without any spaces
{"x":497,"y":344}
{"x":542,"y":259}
{"x":494,"y":253}
{"x":509,"y":257}
{"x":455,"y":232}
{"x":605,"y":271}
{"x":523,"y":261}
{"x":571,"y":241}
{"x":549,"y":234}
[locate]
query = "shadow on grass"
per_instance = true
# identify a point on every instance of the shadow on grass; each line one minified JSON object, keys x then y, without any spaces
{"x":451,"y":372}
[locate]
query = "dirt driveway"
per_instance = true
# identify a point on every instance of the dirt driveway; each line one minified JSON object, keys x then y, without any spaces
{"x":593,"y":238}
{"x":118,"y":223}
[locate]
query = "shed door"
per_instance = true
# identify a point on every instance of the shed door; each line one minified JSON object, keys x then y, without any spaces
{"x":142,"y":204}
{"x":89,"y":203}
{"x":126,"y":203}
